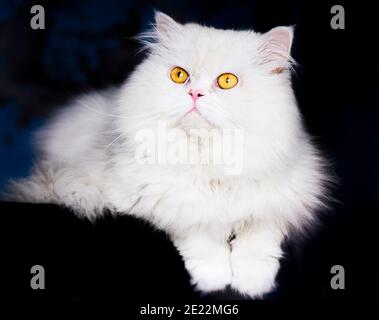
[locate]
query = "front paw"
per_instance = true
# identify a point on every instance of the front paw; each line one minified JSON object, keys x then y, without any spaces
{"x":254,"y":276}
{"x":209,"y":275}
{"x":82,"y":197}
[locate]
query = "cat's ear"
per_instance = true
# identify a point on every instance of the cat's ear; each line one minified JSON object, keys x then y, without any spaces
{"x":165,"y":25}
{"x":276,"y":48}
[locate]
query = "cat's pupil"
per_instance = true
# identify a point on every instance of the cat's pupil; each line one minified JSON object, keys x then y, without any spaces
{"x":179,"y":74}
{"x":227,"y":80}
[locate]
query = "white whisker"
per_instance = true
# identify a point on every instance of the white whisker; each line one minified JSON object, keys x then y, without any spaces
{"x":225,"y":115}
{"x":114,"y":140}
{"x":119,"y":116}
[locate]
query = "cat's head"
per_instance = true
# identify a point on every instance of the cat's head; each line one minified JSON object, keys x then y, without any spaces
{"x":196,"y":74}
{"x":201,"y":77}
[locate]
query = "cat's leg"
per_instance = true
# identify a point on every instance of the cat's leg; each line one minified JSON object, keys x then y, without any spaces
{"x":207,"y":259}
{"x":60,"y":184}
{"x":255,"y":255}
{"x":79,"y":192}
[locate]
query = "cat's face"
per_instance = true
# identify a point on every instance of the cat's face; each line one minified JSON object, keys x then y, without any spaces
{"x":199,"y":76}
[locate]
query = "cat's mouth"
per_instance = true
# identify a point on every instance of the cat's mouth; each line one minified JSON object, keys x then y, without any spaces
{"x":193,"y":118}
{"x":194,"y":109}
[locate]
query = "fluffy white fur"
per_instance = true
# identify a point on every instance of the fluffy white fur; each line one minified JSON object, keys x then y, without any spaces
{"x":87,"y":154}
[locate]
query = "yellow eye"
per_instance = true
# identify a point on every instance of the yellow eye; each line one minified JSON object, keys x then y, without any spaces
{"x":227,"y":81}
{"x":179,"y":75}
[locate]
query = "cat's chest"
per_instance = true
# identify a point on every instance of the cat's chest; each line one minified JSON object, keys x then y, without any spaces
{"x":190,"y":198}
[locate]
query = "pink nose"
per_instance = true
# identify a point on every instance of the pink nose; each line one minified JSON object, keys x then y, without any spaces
{"x":195,"y":94}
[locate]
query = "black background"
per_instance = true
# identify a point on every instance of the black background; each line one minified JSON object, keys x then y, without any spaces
{"x":337,"y":86}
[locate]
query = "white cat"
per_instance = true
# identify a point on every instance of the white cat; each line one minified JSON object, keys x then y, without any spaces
{"x":228,"y":227}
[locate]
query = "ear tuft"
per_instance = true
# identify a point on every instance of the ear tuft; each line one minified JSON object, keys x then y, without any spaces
{"x":165,"y":24}
{"x":276,"y":48}
{"x":161,"y":32}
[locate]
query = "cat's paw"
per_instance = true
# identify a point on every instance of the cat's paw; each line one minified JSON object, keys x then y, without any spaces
{"x":209,"y":274}
{"x":254,"y":275}
{"x":80,"y":196}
